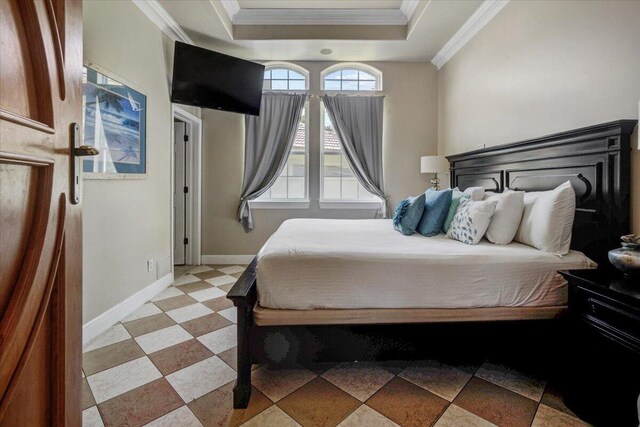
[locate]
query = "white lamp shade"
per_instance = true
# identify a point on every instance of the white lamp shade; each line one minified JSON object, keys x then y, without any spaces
{"x":433,"y":164}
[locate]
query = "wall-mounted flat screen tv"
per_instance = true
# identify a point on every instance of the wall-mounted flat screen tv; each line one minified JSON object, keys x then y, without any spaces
{"x":204,"y":78}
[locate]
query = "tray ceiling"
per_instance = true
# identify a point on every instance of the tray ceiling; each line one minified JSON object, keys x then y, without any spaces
{"x":410,"y":30}
{"x":319,"y":4}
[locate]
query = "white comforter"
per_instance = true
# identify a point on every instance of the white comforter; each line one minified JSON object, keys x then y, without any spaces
{"x":351,"y":264}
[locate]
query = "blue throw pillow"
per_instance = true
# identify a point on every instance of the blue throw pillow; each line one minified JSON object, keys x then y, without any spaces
{"x":436,"y":208}
{"x":408,"y":213}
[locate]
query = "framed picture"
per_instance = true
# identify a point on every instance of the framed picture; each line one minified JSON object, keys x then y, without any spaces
{"x":114,"y":121}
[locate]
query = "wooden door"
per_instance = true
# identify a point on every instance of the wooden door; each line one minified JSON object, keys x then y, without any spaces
{"x":40,"y":230}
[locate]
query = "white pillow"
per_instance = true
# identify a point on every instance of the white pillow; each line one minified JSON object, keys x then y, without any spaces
{"x":476,"y":193}
{"x":506,"y":219}
{"x":471,"y":221}
{"x":547,"y":219}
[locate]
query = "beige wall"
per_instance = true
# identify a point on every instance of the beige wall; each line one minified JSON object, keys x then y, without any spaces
{"x":126,"y":222}
{"x":541,"y":67}
{"x":536,"y":68}
{"x":410,"y":131}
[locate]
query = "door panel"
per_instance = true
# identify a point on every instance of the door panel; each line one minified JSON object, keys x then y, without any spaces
{"x":40,"y":232}
{"x":22,"y":69}
{"x":16,"y":218}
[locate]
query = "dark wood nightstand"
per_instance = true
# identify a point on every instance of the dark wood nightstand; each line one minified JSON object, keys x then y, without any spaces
{"x":602,"y":381}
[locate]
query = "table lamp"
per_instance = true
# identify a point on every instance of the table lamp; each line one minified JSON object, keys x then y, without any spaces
{"x":434,"y":165}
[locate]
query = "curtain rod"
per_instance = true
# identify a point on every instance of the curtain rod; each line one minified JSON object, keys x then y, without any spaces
{"x":354,"y":95}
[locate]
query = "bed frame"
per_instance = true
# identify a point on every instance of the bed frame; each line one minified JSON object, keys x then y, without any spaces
{"x":596,"y":159}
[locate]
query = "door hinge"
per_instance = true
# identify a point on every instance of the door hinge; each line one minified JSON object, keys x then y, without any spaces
{"x":186,"y":138}
{"x":186,"y":190}
{"x":186,"y":241}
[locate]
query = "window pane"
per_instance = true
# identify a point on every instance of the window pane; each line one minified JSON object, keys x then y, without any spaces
{"x":332,"y":85}
{"x":294,"y":75}
{"x":279,"y":73}
{"x":279,"y":189}
{"x":299,"y":142}
{"x":349,"y":74}
{"x":267,"y":74}
{"x":333,"y":76}
{"x":327,"y":121}
{"x":367,"y":85}
{"x":296,"y":188}
{"x":365,"y":76}
{"x":296,"y":164}
{"x":346,"y":169}
{"x":349,"y":85}
{"x":332,"y":188}
{"x":266,"y":85}
{"x":349,"y":188}
{"x":332,"y":143}
{"x":279,"y":84}
{"x":296,"y":85}
{"x":364,"y":194}
{"x":331,"y":165}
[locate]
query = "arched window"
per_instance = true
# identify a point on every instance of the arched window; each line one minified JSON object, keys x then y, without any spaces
{"x":292,"y":184}
{"x":283,"y":76}
{"x":338,"y":180}
{"x":351,"y":77}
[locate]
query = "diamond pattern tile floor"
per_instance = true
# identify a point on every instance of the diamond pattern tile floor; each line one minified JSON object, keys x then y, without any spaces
{"x":441,"y":379}
{"x":360,"y":380}
{"x":407,"y":404}
{"x":172,"y":362}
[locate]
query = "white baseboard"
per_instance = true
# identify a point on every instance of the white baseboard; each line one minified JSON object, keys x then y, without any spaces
{"x":96,"y":326}
{"x":227,"y":259}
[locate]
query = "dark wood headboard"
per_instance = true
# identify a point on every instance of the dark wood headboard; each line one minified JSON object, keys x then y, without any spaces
{"x":596,"y":159}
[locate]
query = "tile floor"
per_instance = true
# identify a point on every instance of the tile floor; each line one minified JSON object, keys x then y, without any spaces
{"x":171,"y":363}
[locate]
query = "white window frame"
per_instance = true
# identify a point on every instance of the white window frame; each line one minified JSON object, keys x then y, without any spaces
{"x":345,"y":203}
{"x":290,"y":203}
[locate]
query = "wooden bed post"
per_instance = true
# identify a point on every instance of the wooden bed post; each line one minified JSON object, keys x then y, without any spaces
{"x":244,"y":295}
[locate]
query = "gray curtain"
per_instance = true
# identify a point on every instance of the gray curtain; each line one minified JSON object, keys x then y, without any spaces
{"x":358,"y":123}
{"x":268,"y":140}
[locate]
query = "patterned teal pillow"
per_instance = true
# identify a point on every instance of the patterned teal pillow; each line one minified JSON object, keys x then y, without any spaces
{"x":471,"y":221}
{"x":407,"y":214}
{"x":456,"y":198}
{"x":436,"y":207}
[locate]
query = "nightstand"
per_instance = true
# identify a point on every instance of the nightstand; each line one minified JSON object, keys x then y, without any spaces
{"x":602,"y":382}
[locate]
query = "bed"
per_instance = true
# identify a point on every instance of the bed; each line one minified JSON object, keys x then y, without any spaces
{"x":348,"y":290}
{"x":320,"y":264}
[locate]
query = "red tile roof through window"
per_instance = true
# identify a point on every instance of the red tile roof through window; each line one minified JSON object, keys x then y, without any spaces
{"x":331,"y":141}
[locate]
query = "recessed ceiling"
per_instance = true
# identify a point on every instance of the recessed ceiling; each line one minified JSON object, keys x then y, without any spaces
{"x":319,"y":4}
{"x":425,"y":28}
{"x":315,"y":12}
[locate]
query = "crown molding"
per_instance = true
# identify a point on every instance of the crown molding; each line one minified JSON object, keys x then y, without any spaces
{"x":159,"y":16}
{"x":232,"y":7}
{"x":408,"y":7}
{"x":320,"y":17}
{"x":239,"y":16}
{"x":481,"y":17}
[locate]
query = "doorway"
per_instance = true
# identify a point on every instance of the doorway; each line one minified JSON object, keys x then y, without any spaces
{"x":186,"y":181}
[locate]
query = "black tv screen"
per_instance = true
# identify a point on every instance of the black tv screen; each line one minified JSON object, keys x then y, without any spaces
{"x":209,"y":79}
